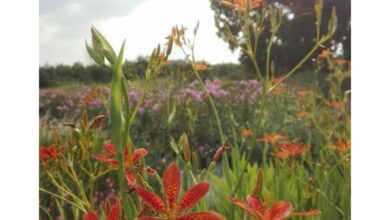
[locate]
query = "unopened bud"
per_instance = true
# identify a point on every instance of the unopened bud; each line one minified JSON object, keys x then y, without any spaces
{"x":186,"y":148}
{"x":95,"y":120}
{"x":195,"y":160}
{"x":220,"y":151}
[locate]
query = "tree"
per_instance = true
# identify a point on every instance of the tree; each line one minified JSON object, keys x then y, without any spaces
{"x":297,"y":33}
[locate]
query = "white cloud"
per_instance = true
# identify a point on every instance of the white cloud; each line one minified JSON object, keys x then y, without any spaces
{"x":146,"y":25}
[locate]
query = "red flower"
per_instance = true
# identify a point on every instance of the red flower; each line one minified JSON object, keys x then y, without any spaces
{"x":200,"y":67}
{"x":342,"y":146}
{"x":271,"y":138}
{"x":246,"y":132}
{"x":110,"y":156}
{"x":303,"y":92}
{"x":91,"y":215}
{"x":278,"y":211}
{"x":325,"y":53}
{"x":287,"y":150}
{"x":46,"y":153}
{"x":113,"y":214}
{"x":333,"y":104}
{"x":170,"y":209}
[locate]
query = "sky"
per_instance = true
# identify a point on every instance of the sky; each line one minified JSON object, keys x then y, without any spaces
{"x":65,"y":25}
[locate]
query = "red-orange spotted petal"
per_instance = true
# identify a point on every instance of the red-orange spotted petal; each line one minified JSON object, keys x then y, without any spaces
{"x":278,"y":210}
{"x":207,"y":215}
{"x":245,"y":206}
{"x":150,"y":171}
{"x":152,"y":199}
{"x":138,"y":153}
{"x":115,"y":212}
{"x":130,"y":178}
{"x":256,"y":203}
{"x":110,"y":148}
{"x":91,"y":215}
{"x":171,"y":183}
{"x":305,"y":214}
{"x":193,"y":195}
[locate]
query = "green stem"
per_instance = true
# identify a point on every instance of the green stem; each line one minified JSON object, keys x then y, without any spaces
{"x":215,"y":111}
{"x":66,"y":190}
{"x":62,"y":198}
{"x":46,"y":212}
{"x":118,"y":127}
{"x":139,"y":103}
{"x":292,"y":71}
{"x":262,"y":104}
{"x":79,"y":185}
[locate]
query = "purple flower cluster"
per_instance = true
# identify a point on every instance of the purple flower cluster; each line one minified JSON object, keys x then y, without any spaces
{"x":215,"y":88}
{"x":62,"y":102}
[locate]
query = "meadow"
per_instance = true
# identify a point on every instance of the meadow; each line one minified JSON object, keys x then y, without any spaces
{"x":194,"y":146}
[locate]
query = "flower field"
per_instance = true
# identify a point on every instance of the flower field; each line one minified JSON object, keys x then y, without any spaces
{"x":191,"y":146}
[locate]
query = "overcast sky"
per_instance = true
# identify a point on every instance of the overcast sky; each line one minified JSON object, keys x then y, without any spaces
{"x":65,"y":24}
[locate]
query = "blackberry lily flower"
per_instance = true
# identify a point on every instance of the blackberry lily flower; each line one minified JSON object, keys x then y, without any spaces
{"x":171,"y":209}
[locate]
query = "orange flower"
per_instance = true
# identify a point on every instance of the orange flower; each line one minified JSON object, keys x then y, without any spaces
{"x":342,"y":62}
{"x":174,"y":37}
{"x":246,"y":132}
{"x":302,"y":114}
{"x":277,"y":79}
{"x":272,"y":139}
{"x":46,"y":153}
{"x":334,"y":104}
{"x":342,"y":146}
{"x":304,"y":92}
{"x":287,"y":150}
{"x":278,"y":211}
{"x":170,"y":209}
{"x":325,"y":53}
{"x":241,"y":5}
{"x":91,"y":215}
{"x":113,"y":214}
{"x":303,"y":101}
{"x":110,"y":158}
{"x":200,"y":67}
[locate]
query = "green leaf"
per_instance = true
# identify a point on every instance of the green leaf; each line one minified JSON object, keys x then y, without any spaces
{"x":172,"y":115}
{"x":96,"y":56}
{"x":109,"y":52}
{"x":173,"y":145}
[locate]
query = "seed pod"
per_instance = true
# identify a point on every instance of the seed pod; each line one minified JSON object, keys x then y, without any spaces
{"x":173,"y":145}
{"x":195,"y":160}
{"x":185,"y":147}
{"x":95,"y":120}
{"x":220,"y":151}
{"x":106,"y":207}
{"x":212,"y":166}
{"x":84,"y":120}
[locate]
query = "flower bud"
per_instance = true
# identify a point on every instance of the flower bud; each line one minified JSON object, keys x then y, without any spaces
{"x":195,"y":160}
{"x":220,"y":151}
{"x":185,"y":147}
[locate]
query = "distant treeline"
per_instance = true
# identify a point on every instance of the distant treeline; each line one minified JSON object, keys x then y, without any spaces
{"x":51,"y":76}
